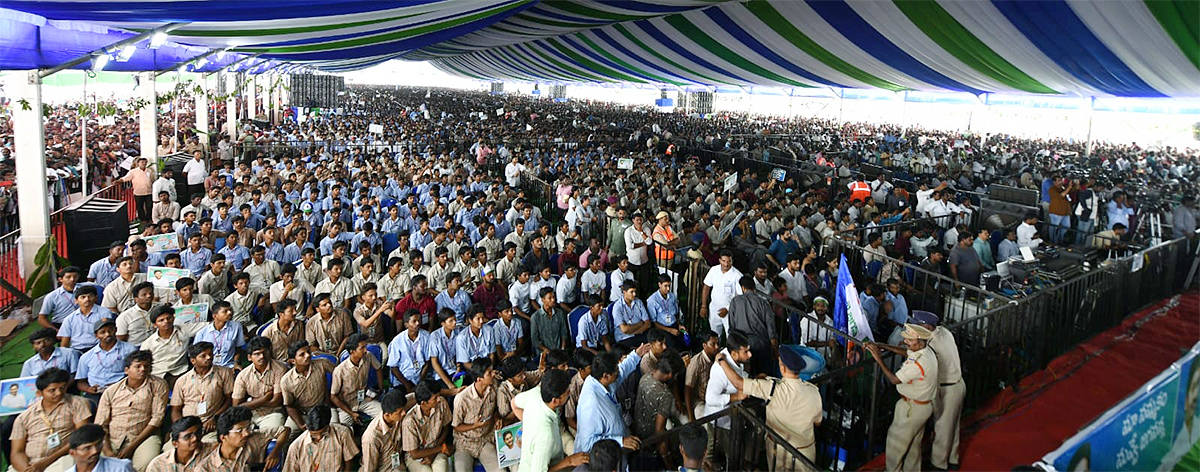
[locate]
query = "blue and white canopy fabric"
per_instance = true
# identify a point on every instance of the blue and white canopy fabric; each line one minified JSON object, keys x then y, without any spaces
{"x":1135,"y":48}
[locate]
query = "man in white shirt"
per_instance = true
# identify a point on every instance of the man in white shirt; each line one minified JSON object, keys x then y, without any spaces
{"x":637,"y":241}
{"x":512,"y":172}
{"x":721,"y":392}
{"x":196,"y":171}
{"x":1027,"y":232}
{"x":721,"y":284}
{"x":165,"y":183}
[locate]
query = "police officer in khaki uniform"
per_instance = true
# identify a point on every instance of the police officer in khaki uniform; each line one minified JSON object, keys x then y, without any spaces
{"x":916,"y":381}
{"x":947,"y":407}
{"x":793,"y":405}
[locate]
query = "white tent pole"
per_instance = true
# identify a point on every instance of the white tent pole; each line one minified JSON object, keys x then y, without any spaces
{"x":83,"y":157}
{"x":25,"y":88}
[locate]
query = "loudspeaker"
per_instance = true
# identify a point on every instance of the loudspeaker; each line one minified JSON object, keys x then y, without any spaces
{"x":1016,"y":195}
{"x":93,"y":224}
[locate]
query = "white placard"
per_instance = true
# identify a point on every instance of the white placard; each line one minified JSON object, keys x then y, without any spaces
{"x":625,"y":163}
{"x":731,"y":182}
{"x":375,"y":128}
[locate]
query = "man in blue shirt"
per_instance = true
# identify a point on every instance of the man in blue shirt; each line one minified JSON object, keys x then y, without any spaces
{"x":899,"y":313}
{"x":599,"y":414}
{"x":226,"y":335}
{"x":872,"y":302}
{"x":195,"y":257}
{"x":1119,"y":210}
{"x":235,"y":254}
{"x":782,"y":247}
{"x":85,"y":449}
{"x":454,"y":299}
{"x":60,"y":302}
{"x":104,"y":364}
{"x":46,"y":355}
{"x":630,"y":319}
{"x":78,"y":329}
{"x":664,"y":312}
{"x":104,"y":270}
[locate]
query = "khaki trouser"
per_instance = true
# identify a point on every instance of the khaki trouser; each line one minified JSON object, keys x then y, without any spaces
{"x":905,"y":435}
{"x":61,"y":465}
{"x":947,"y":408}
{"x":147,"y":451}
{"x":465,"y":462}
{"x":440,"y":464}
{"x":369,"y":407}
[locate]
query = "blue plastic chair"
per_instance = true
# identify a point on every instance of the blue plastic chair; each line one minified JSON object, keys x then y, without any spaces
{"x":328,"y":375}
{"x":390,"y":242}
{"x":263,"y":328}
{"x":573,"y":319}
{"x":372,"y":377}
{"x":554,"y":263}
{"x":218,"y":244}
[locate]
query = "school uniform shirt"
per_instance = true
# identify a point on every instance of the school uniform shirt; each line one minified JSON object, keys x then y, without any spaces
{"x":469,"y":346}
{"x":110,"y":464}
{"x":282,"y":338}
{"x":442,"y":346}
{"x":330,"y":454}
{"x":63,"y":358}
{"x":381,"y":447}
{"x":214,"y":285}
{"x":102,"y":271}
{"x":250,"y":384}
{"x":338,"y":291}
{"x":81,"y":328}
{"x":311,"y":274}
{"x":203,"y":395}
{"x":303,"y":392}
{"x":471,"y":407}
{"x":591,"y":330}
{"x":506,"y":270}
{"x":627,"y":313}
{"x":459,"y":302}
{"x":170,"y":354}
{"x":421,"y":430}
{"x":135,"y":323}
{"x":165,"y":462}
{"x":664,"y":310}
{"x":225,"y":341}
{"x":41,"y":428}
{"x":327,"y":334}
{"x":59,"y":303}
{"x":125,"y":411}
{"x":102,"y":368}
{"x":408,"y":355}
{"x":506,"y":335}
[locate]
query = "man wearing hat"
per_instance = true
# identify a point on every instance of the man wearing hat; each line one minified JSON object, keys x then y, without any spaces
{"x":916,"y":381}
{"x":665,"y":240}
{"x":793,"y":405}
{"x":947,"y":406}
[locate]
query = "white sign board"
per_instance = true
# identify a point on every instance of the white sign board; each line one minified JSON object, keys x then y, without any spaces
{"x":375,"y":128}
{"x":625,"y":163}
{"x":731,"y":182}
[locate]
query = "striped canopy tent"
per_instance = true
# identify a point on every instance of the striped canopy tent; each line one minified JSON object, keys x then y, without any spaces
{"x":1126,"y":48}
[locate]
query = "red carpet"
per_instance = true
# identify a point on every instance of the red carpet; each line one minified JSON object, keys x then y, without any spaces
{"x":1014,"y":429}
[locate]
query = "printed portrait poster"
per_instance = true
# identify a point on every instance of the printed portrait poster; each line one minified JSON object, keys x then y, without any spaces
{"x":194,"y":313}
{"x":16,"y":395}
{"x":508,"y":445}
{"x":165,"y":277}
{"x":162,"y":242}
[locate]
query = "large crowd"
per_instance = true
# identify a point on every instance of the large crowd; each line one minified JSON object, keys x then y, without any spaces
{"x":393,"y":299}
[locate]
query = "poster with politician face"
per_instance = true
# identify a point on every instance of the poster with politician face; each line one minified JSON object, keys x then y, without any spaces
{"x":508,"y":445}
{"x":16,"y":395}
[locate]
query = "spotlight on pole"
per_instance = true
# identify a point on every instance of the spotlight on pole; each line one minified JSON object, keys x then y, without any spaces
{"x":126,"y":53}
{"x":99,"y":61}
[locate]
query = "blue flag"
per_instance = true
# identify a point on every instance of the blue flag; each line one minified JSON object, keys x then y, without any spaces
{"x":848,"y":315}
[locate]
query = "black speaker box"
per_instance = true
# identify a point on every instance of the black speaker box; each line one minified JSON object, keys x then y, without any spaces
{"x":93,"y":225}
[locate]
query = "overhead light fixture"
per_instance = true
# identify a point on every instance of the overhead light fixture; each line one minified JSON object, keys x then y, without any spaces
{"x":157,"y":40}
{"x":99,"y":61}
{"x":201,"y":63}
{"x":126,"y":53}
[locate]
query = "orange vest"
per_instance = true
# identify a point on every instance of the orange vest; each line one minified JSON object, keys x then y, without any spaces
{"x":663,"y":253}
{"x":859,"y":190}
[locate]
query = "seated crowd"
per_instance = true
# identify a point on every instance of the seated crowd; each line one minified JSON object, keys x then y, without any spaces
{"x":390,"y":305}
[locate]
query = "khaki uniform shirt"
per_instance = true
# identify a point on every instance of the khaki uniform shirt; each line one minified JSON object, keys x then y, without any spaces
{"x":471,"y":407}
{"x":696,"y":378}
{"x":573,"y":396}
{"x":254,"y":452}
{"x":250,"y":384}
{"x":505,"y":391}
{"x":795,"y":405}
{"x":281,"y":338}
{"x":35,"y":424}
{"x":125,"y":411}
{"x":305,"y":391}
{"x":326,"y":335}
{"x":918,"y":376}
{"x":165,"y":462}
{"x":389,"y":288}
{"x":135,"y":323}
{"x":335,"y":449}
{"x":338,"y":291}
{"x":421,"y":431}
{"x":203,"y":395}
{"x":946,"y":349}
{"x":381,"y":447}
{"x":118,"y":295}
{"x":350,"y":381}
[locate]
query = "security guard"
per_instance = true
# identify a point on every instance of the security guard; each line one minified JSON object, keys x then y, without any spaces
{"x":947,"y":407}
{"x":859,"y":190}
{"x":793,"y":405}
{"x":916,"y":381}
